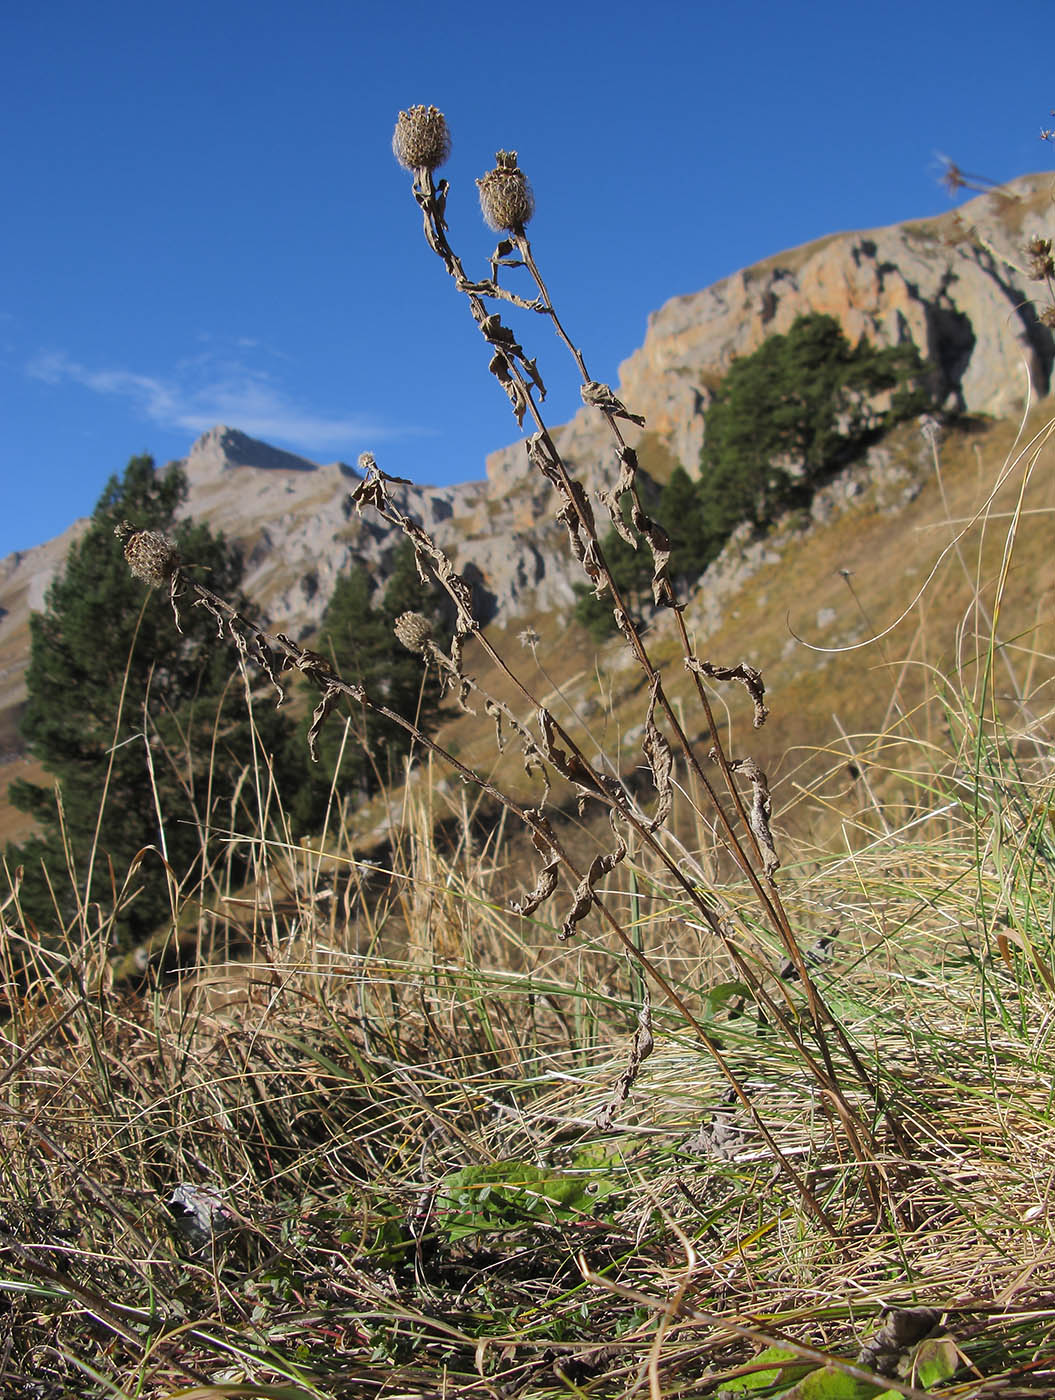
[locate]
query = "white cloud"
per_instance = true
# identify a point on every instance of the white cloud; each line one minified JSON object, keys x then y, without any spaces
{"x":211,"y":388}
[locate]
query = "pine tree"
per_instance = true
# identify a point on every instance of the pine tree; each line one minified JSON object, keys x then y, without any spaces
{"x":681,"y":514}
{"x":792,"y":413}
{"x":356,"y":636}
{"x":631,"y":571}
{"x":144,"y":730}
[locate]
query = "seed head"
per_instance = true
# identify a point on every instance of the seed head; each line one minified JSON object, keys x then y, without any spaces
{"x":930,"y":429}
{"x":413,"y":631}
{"x":150,"y":555}
{"x":1041,"y":262}
{"x":505,"y":195}
{"x":421,"y":140}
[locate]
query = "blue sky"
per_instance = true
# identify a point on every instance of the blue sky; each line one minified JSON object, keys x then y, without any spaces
{"x":203,"y":221}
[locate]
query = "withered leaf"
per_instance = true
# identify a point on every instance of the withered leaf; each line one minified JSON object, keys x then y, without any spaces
{"x":600,"y":866}
{"x":330,"y":696}
{"x":641,"y":1047}
{"x":760,"y":811}
{"x":660,"y":759}
{"x":748,"y":676}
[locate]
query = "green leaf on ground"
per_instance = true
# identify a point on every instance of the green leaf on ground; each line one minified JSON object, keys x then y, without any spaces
{"x":776,"y":1365}
{"x":507,"y":1195}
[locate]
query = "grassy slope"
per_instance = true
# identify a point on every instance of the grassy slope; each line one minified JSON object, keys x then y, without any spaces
{"x":377,"y":1042}
{"x":826,"y":708}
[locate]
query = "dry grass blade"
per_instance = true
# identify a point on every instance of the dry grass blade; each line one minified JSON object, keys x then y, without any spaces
{"x":370,"y":1120}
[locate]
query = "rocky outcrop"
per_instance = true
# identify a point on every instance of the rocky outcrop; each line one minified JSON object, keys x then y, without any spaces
{"x":954,"y":285}
{"x":25,"y":577}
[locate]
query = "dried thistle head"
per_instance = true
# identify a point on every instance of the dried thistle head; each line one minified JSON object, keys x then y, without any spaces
{"x":150,"y":555}
{"x":1047,"y":317}
{"x":413,"y":631}
{"x":505,"y":195}
{"x":930,"y":429}
{"x":1041,"y":262}
{"x":421,"y":140}
{"x":954,"y":178}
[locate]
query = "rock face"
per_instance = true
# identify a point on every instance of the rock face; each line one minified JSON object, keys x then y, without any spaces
{"x":24,"y":579}
{"x":953,"y":285}
{"x":299,"y":529}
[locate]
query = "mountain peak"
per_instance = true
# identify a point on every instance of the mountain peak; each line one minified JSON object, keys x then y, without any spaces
{"x":223,"y":448}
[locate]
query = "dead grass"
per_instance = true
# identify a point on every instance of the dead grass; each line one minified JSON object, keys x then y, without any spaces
{"x":685,"y":1124}
{"x":329,"y":1087}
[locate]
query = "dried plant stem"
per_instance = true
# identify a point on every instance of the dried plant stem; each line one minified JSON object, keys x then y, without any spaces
{"x":574,"y":766}
{"x":275,"y":653}
{"x":769,"y":896}
{"x":520,"y":379}
{"x":433,"y":206}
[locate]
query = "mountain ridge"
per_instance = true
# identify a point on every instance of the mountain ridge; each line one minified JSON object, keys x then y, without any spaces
{"x":954,"y":284}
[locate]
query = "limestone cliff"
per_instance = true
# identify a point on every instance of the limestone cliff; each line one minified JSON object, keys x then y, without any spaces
{"x":953,"y":284}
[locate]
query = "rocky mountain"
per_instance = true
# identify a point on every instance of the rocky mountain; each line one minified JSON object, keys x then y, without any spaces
{"x":956,"y":285}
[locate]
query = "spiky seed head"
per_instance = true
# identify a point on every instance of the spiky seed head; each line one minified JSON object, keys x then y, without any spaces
{"x":150,"y":555}
{"x":1047,"y":317}
{"x":1041,"y":262}
{"x":930,"y":428}
{"x":505,"y":195}
{"x":413,"y":631}
{"x":421,"y":140}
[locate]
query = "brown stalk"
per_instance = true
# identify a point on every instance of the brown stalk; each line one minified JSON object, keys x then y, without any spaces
{"x":519,"y":378}
{"x":761,"y":841}
{"x":276,"y":654}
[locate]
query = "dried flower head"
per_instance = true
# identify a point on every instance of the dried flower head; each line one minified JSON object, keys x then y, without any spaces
{"x":1041,"y":262}
{"x":413,"y":631}
{"x":421,"y":140}
{"x":505,"y":195}
{"x":150,"y":555}
{"x":1047,"y":317}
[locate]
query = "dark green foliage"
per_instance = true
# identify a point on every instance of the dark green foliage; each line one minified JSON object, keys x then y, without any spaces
{"x":678,"y":509}
{"x":115,"y":689}
{"x":356,"y":636}
{"x":783,"y":420}
{"x":632,"y":572}
{"x":505,"y":1196}
{"x":680,"y":512}
{"x":788,"y":416}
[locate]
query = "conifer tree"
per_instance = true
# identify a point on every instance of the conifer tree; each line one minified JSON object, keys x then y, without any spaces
{"x":680,"y":512}
{"x":631,"y":571}
{"x":792,"y":413}
{"x":144,"y":730}
{"x":357,"y":637}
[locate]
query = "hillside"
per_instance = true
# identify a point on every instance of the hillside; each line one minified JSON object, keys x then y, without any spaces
{"x":585,"y":1061}
{"x":953,"y":284}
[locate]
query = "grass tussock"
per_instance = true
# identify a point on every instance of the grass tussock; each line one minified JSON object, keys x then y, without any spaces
{"x":594,"y":1084}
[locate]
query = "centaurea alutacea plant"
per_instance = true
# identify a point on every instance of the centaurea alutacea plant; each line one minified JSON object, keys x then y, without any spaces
{"x":507,"y":204}
{"x":421,"y":143}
